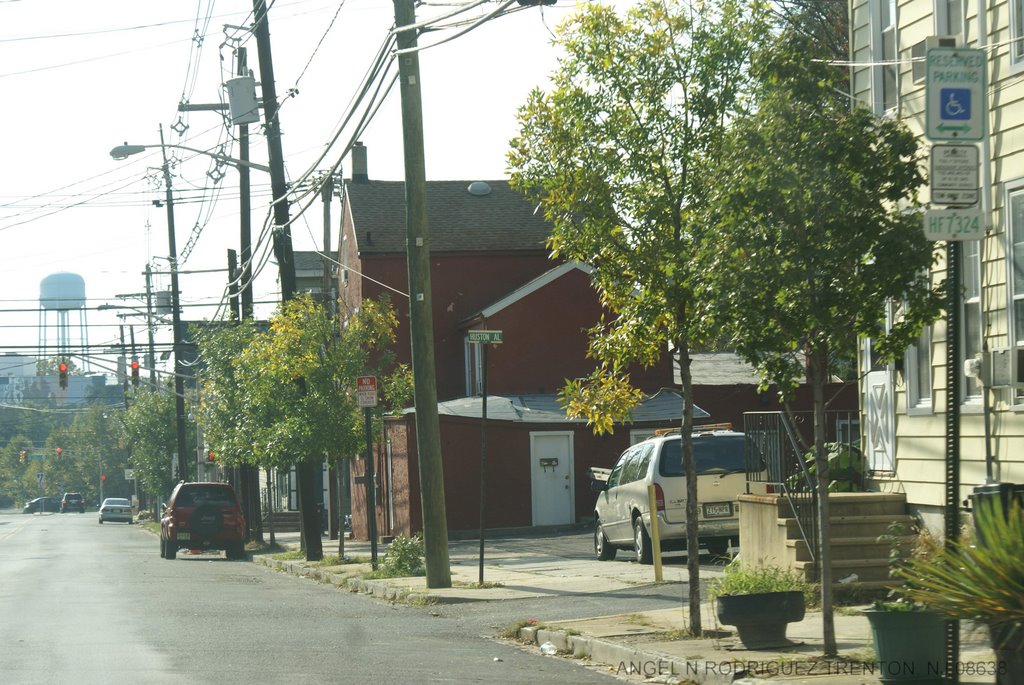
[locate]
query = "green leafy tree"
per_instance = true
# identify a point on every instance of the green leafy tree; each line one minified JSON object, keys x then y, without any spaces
{"x":618,"y":154}
{"x":820,"y":229}
{"x":287,"y":396}
{"x":149,"y":431}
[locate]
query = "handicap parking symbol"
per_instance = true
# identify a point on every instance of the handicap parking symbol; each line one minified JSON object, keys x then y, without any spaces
{"x":955,"y":104}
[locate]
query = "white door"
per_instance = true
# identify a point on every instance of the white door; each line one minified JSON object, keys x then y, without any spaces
{"x":551,"y":481}
{"x":880,"y":422}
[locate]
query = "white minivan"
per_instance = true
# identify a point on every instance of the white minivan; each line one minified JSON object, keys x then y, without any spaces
{"x":622,"y":517}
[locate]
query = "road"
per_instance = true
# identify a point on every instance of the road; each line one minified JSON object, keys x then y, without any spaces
{"x":86,"y":603}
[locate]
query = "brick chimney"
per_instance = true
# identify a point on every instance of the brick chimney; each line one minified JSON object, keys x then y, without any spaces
{"x":359,"y":174}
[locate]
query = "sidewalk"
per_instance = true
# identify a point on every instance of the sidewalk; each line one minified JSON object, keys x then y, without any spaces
{"x":647,"y":644}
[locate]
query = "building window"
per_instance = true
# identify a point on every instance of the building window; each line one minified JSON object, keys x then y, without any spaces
{"x":1015,"y":232}
{"x":919,"y":373}
{"x":949,"y":17}
{"x":887,"y":78}
{"x":971,"y":328}
{"x":1017,"y":30}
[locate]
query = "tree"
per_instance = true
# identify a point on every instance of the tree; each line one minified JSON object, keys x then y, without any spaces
{"x":819,"y":230}
{"x":287,"y":396}
{"x":618,"y":155}
{"x":149,"y":430}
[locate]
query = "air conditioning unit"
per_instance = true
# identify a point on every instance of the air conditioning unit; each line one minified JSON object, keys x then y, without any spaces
{"x":999,"y":368}
{"x":941,"y":42}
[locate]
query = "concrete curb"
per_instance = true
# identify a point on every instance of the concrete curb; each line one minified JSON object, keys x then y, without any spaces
{"x":351,"y":583}
{"x":624,"y":660}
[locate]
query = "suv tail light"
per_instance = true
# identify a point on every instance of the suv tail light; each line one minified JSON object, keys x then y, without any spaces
{"x":659,"y":497}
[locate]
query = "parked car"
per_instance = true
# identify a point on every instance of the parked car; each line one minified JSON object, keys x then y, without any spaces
{"x":202,"y":516}
{"x":622,"y":517}
{"x":116,"y":509}
{"x":42,"y":504}
{"x":72,"y":501}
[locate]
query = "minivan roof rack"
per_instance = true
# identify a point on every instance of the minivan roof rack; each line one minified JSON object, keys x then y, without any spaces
{"x":703,"y":428}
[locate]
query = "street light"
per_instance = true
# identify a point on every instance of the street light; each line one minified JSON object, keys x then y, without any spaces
{"x":125,"y":151}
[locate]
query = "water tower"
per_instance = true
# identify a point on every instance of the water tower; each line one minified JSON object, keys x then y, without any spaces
{"x":63,"y":294}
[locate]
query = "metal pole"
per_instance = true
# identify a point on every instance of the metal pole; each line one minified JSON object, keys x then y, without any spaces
{"x":151,"y":361}
{"x":179,"y":379}
{"x":953,"y":375}
{"x":371,"y":493}
{"x":483,"y":456}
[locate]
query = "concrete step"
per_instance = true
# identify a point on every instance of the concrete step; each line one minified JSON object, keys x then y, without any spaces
{"x":852,"y":548}
{"x":866,"y":526}
{"x":867,"y":503}
{"x":866,"y":570}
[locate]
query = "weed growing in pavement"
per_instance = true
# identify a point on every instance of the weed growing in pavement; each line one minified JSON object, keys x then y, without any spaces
{"x":476,"y":586}
{"x":403,"y":558}
{"x":291,"y":555}
{"x":511,"y":631}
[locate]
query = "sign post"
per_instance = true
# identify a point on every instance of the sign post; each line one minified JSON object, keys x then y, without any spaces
{"x":484,"y":339}
{"x":366,"y":397}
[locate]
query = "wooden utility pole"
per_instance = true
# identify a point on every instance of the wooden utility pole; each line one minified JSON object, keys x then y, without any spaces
{"x":421,"y":327}
{"x":306,"y":470}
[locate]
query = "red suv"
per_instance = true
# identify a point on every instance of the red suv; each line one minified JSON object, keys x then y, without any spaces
{"x":202,"y":516}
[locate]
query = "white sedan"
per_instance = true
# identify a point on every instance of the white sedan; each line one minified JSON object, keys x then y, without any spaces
{"x":116,"y":509}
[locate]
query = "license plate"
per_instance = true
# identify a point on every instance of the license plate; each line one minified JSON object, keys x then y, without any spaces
{"x":182,"y":535}
{"x":717,"y":510}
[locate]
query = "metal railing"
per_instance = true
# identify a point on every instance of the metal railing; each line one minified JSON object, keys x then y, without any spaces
{"x":776,"y":449}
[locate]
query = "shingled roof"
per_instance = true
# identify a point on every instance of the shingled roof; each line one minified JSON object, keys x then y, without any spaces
{"x":459,"y":221}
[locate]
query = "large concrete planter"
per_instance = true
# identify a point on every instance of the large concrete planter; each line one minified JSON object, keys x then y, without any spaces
{"x":761,"y":618}
{"x":910,"y":646}
{"x":1008,"y":644}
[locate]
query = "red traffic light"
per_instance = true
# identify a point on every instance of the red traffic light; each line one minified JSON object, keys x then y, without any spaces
{"x":135,"y":372}
{"x":60,"y":451}
{"x":62,"y":370}
{"x":103,"y":476}
{"x":210,"y":458}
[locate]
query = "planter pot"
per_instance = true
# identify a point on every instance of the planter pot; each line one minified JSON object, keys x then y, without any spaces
{"x":761,"y":618}
{"x":1008,"y":645}
{"x":910,"y":646}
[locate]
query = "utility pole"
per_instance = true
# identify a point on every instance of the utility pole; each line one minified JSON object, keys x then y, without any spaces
{"x":306,"y":470}
{"x":179,"y":380}
{"x":151,"y":361}
{"x":421,"y":326}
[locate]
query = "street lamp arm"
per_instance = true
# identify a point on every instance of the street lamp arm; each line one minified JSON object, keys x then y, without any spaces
{"x":124,"y":151}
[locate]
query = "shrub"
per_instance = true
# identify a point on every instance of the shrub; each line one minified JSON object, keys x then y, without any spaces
{"x":403,"y":558}
{"x":743,"y":579}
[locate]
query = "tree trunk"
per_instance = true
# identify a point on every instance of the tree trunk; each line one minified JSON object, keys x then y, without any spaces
{"x":307,"y":472}
{"x":690,"y":471}
{"x":818,"y":373}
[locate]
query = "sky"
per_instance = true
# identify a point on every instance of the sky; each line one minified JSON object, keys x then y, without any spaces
{"x":81,"y":78}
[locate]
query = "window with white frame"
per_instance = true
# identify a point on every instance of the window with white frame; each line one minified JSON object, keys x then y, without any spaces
{"x":474,"y":369}
{"x":1015,"y":231}
{"x":971,"y":328}
{"x":919,"y":373}
{"x":949,"y":17}
{"x":884,"y":52}
{"x":1017,"y":30}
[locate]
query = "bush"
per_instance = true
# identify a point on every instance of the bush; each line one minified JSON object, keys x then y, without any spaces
{"x":403,"y":558}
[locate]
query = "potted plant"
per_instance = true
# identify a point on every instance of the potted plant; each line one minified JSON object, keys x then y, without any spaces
{"x":908,"y":636}
{"x":760,"y":601}
{"x":982,"y":582}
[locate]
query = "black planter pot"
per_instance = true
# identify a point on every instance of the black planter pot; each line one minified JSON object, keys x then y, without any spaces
{"x":1008,"y":645}
{"x":761,"y":618}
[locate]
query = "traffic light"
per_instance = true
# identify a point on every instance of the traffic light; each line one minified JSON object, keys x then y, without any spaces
{"x":103,"y":476}
{"x":60,"y":452}
{"x":210,"y":458}
{"x":135,"y":372}
{"x":62,"y":370}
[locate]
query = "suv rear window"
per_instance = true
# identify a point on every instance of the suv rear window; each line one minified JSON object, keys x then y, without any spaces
{"x":194,"y":497}
{"x":720,"y":452}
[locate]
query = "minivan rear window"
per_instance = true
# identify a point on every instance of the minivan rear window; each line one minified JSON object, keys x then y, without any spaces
{"x":719,"y":453}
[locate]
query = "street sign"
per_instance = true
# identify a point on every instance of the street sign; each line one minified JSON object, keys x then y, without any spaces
{"x":484,"y":336}
{"x":366,"y":391}
{"x":954,"y":177}
{"x":129,"y":474}
{"x":954,"y":224}
{"x":956,"y":102}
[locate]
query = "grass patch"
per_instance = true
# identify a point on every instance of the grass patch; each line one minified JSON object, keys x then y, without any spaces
{"x":476,"y":586}
{"x":291,"y":555}
{"x":335,"y":560}
{"x":638,"y":620}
